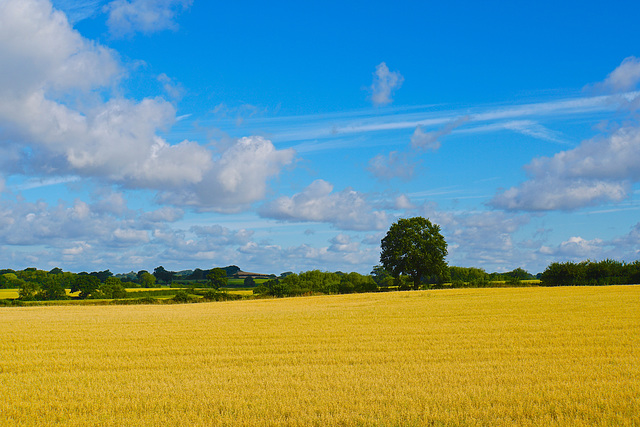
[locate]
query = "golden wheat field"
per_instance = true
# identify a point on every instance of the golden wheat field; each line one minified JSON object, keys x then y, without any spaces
{"x":469,"y":357}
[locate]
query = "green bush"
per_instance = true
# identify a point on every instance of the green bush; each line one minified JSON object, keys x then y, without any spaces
{"x":182,"y":297}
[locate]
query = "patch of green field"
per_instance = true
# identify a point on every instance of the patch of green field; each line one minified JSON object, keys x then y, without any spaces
{"x":234,"y":283}
{"x":528,"y":356}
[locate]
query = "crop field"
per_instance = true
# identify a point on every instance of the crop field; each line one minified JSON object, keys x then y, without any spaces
{"x":473,"y":357}
{"x":8,"y":293}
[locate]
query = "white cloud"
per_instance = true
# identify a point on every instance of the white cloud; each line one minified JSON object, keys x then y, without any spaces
{"x":559,"y":194}
{"x":385,"y":82}
{"x":146,"y":16}
{"x":76,"y":250}
{"x":235,"y":180}
{"x":402,"y":202}
{"x":599,"y":170}
{"x":395,"y":165}
{"x":90,"y":237}
{"x":346,"y":210}
{"x":625,"y":77}
{"x":111,"y":203}
{"x":44,"y":57}
{"x":48,"y":107}
{"x":343,"y":243}
{"x":131,"y":236}
{"x":576,"y":248}
{"x":305,"y":257}
{"x":579,"y":248}
{"x":40,"y":51}
{"x":431,"y":140}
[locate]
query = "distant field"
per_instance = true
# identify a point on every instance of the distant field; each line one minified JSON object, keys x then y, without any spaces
{"x":240,"y":282}
{"x":465,"y":357}
{"x":243,"y":292}
{"x":8,"y":293}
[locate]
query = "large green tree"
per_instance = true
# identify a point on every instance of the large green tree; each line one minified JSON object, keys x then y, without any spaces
{"x":86,"y":284}
{"x":217,"y":278}
{"x":147,"y":280}
{"x":415,"y":247}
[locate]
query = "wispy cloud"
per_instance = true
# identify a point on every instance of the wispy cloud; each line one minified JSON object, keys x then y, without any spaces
{"x":146,"y":16}
{"x":525,"y":127}
{"x":312,"y":132}
{"x":431,"y":140}
{"x":38,"y":183}
{"x":78,"y":10}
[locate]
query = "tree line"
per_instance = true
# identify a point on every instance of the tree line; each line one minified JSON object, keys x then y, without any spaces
{"x":41,"y":285}
{"x":34,"y":284}
{"x":590,"y":273}
{"x":412,"y":257}
{"x":316,"y":282}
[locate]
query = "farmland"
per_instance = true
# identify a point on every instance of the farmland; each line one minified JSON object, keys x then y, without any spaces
{"x":524,"y":356}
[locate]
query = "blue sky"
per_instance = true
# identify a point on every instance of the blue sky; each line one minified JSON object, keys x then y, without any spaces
{"x":289,"y":137}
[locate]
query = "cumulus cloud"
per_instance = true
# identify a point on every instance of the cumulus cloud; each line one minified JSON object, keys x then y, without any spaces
{"x":385,"y":82}
{"x":45,"y":58}
{"x":577,"y":249}
{"x":235,"y":180}
{"x":38,"y":223}
{"x":346,"y":210}
{"x":625,"y":77}
{"x":40,"y":51}
{"x":48,"y":108}
{"x":421,"y":140}
{"x":84,"y":236}
{"x":395,"y":165}
{"x":402,"y":202}
{"x":130,"y":236}
{"x":558,"y":194}
{"x":599,"y":170}
{"x":343,"y":243}
{"x":146,"y":16}
{"x":111,"y":203}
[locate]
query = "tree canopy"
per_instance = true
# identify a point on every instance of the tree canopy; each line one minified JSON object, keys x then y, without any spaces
{"x":217,"y":278}
{"x":415,"y":247}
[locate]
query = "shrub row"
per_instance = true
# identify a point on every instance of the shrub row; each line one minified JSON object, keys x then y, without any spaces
{"x":607,"y":272}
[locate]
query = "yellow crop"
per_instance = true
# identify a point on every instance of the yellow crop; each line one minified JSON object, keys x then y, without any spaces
{"x":471,"y":357}
{"x":9,"y":293}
